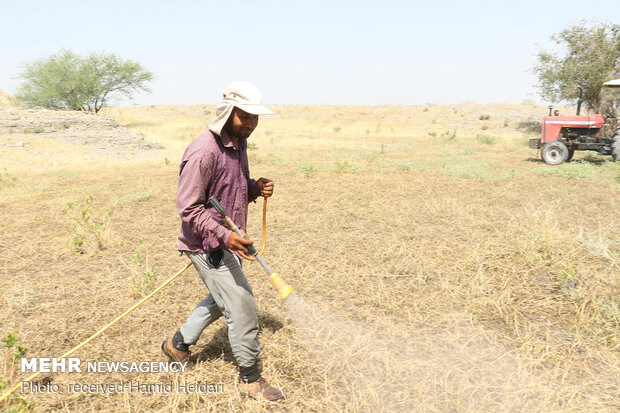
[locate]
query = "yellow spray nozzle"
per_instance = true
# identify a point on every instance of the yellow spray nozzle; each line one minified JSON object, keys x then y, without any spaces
{"x":283,"y":288}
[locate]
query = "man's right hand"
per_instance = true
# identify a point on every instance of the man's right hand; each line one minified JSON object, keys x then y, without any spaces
{"x":237,"y":243}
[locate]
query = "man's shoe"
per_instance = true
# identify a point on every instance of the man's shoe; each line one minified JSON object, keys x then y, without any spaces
{"x":177,"y":355}
{"x":260,"y":390}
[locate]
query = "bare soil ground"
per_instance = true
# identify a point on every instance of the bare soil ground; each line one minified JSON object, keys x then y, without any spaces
{"x":56,"y":131}
{"x":438,"y":263}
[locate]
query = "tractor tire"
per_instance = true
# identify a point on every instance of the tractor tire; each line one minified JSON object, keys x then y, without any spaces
{"x":554,"y":153}
{"x":615,"y":146}
{"x":571,"y":152}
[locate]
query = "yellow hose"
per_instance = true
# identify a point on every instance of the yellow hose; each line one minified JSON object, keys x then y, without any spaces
{"x":262,"y":247}
{"x":110,"y":324}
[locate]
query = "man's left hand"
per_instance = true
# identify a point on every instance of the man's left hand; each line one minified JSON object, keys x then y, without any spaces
{"x":266,"y":187}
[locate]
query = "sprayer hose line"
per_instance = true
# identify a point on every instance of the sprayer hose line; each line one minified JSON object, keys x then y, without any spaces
{"x":91,"y":338}
{"x":262,"y":247}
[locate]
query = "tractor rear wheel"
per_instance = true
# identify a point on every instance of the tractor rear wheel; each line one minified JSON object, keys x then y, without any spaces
{"x":554,"y":153}
{"x":615,"y":146}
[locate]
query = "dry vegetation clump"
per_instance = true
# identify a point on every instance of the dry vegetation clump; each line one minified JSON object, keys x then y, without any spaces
{"x":431,"y":272}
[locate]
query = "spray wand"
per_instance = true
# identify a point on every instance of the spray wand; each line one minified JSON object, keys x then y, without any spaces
{"x":284,"y":290}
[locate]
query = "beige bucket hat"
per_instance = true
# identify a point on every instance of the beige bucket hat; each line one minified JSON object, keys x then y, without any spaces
{"x":242,"y":95}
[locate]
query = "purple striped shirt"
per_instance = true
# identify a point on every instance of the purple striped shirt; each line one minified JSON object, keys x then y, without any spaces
{"x":212,"y":166}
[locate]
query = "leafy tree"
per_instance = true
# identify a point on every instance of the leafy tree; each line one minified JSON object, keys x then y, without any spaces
{"x":70,"y":81}
{"x":592,"y":58}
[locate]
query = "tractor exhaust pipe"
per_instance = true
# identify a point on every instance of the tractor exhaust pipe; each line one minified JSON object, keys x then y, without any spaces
{"x":579,"y":100}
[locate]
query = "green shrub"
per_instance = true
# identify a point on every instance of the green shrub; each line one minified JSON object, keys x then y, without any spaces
{"x":344,"y":166}
{"x":14,"y":350}
{"x":309,"y":170}
{"x":142,"y":278}
{"x":486,"y":139}
{"x":89,"y":229}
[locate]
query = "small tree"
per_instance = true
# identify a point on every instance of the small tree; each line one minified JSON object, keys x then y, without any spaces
{"x":69,"y":81}
{"x":592,"y":57}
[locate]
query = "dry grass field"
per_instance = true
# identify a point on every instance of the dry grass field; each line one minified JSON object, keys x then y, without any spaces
{"x":438,"y":264}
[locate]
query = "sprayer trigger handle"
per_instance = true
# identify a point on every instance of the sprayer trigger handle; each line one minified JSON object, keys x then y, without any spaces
{"x":251,"y":249}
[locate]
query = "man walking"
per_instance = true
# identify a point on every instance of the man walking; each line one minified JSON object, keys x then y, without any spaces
{"x":216,"y":164}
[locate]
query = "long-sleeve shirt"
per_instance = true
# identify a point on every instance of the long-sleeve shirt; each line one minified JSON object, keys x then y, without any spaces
{"x":212,"y":166}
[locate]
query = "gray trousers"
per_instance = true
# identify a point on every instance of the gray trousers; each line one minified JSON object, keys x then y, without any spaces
{"x":231,"y":296}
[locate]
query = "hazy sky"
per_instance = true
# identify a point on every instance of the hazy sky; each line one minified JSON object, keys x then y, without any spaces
{"x":316,"y":52}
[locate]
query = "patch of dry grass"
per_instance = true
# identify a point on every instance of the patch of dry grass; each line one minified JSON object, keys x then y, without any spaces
{"x":431,"y":272}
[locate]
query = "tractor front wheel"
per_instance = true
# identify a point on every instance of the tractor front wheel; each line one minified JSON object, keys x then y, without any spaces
{"x":615,"y":146}
{"x":554,"y":153}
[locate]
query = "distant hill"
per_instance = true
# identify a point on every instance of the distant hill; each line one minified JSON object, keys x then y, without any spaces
{"x":7,"y":101}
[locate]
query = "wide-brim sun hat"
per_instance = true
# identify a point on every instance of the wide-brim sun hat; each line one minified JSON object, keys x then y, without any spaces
{"x":241,"y":95}
{"x":612,"y":83}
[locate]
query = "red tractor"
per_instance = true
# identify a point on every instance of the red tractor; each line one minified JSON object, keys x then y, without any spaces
{"x":561,"y":136}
